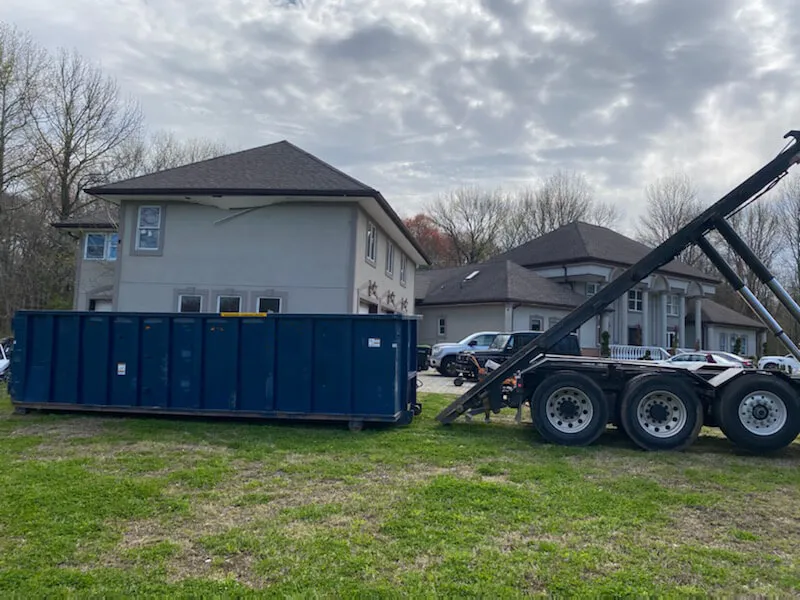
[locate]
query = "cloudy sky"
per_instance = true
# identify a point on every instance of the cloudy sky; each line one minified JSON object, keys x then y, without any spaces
{"x":416,"y":97}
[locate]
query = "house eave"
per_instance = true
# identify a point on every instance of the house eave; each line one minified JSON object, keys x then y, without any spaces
{"x":611,"y":263}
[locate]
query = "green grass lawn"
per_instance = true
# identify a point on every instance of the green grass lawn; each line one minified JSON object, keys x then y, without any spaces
{"x":125,"y":506}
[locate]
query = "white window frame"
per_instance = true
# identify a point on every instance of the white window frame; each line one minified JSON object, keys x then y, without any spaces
{"x":180,"y":300}
{"x":221,"y":296}
{"x":403,"y":268}
{"x":635,"y":301}
{"x":673,"y":305}
{"x":371,"y":254}
{"x":592,"y":287}
{"x":671,"y":335}
{"x":260,"y":298}
{"x":441,"y":326}
{"x":107,"y":245}
{"x":159,"y":228}
{"x":389,"y":259}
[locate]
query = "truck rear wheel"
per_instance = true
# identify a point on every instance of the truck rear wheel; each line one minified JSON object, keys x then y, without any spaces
{"x":660,"y":412}
{"x":569,"y":408}
{"x":760,"y":413}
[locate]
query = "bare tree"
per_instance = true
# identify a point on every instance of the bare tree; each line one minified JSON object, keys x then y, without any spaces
{"x":163,"y":150}
{"x":472,"y":219}
{"x":562,"y":198}
{"x":22,"y":64}
{"x":79,"y":125}
{"x":671,"y":203}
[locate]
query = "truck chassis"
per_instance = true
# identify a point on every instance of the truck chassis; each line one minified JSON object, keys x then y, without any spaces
{"x":573,"y":399}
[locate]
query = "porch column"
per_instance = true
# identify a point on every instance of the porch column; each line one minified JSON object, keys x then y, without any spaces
{"x":761,"y":339}
{"x":623,"y":319}
{"x":698,"y":321}
{"x":682,"y":323}
{"x":662,"y":319}
{"x":645,"y":318}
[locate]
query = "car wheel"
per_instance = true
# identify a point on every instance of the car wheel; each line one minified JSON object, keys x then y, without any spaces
{"x":771,"y":366}
{"x":660,"y":412}
{"x":760,"y":413}
{"x":569,"y":408}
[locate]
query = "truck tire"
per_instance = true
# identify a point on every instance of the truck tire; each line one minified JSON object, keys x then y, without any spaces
{"x":660,"y":412}
{"x":759,"y":412}
{"x":448,"y":367}
{"x":569,"y":408}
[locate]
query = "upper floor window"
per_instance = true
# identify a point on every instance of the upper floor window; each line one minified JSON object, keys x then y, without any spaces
{"x":372,"y":243}
{"x":635,"y":300}
{"x":592,"y":288}
{"x":403,"y":268}
{"x":101,"y":246}
{"x":148,"y":232}
{"x":389,"y":258}
{"x":673,"y":305}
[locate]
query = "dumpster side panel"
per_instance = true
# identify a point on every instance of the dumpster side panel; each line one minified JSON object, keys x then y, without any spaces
{"x":126,"y":349}
{"x":377,"y":362}
{"x":220,"y":364}
{"x":95,"y":360}
{"x":154,"y":392}
{"x":65,"y":361}
{"x":295,"y":345}
{"x":333,"y":362}
{"x":257,"y":365}
{"x":186,"y":363}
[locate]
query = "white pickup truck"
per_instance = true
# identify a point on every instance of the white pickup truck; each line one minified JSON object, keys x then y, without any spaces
{"x":5,"y":357}
{"x":443,"y":356}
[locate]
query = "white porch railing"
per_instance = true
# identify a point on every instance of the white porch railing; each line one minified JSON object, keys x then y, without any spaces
{"x":623,"y":352}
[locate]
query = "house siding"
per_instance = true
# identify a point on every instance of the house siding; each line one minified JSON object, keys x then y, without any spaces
{"x":94,"y":278}
{"x":460,"y":321}
{"x":300,"y":252}
{"x":366,"y":272}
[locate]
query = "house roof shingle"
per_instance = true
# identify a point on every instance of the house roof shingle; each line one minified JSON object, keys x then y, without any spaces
{"x":495,"y":281}
{"x":280,"y":167}
{"x":582,"y":242}
{"x":715,"y":313}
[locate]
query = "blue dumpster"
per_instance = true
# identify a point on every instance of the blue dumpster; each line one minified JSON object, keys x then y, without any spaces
{"x":357,"y":368}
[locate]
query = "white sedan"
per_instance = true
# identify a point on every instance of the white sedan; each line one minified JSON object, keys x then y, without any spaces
{"x":696,"y":359}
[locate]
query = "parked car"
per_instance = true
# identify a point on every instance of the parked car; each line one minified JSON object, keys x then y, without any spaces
{"x":701,"y":357}
{"x":443,"y":356}
{"x":6,"y":346}
{"x":506,"y":345}
{"x":786,"y":363}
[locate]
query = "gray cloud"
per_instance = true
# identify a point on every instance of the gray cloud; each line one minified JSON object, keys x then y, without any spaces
{"x":415,"y":98}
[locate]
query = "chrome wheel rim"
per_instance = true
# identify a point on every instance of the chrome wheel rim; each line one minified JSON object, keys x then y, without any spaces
{"x":661,"y":414}
{"x":569,"y":410}
{"x":762,"y":413}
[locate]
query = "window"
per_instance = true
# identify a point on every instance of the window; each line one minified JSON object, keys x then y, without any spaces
{"x":723,"y":342}
{"x":673,"y":305}
{"x":372,"y":243}
{"x":635,"y":300}
{"x":671,"y":335}
{"x":537,"y":323}
{"x":269,"y":305}
{"x":148,"y":232}
{"x":553,"y":321}
{"x":442,"y":326}
{"x":231,"y":304}
{"x":101,"y":246}
{"x":592,"y":288}
{"x":403,"y":266}
{"x":190,"y":303}
{"x":389,"y":258}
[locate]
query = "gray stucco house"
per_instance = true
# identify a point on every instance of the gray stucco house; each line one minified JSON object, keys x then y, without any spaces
{"x":270,"y":229}
{"x":563,"y":268}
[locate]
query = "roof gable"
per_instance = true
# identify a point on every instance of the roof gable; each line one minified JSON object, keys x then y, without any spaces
{"x":718,"y":314}
{"x":493,"y":281}
{"x":582,"y":242}
{"x":279,"y":168}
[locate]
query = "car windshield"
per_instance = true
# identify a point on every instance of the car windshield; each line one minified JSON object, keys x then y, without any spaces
{"x":499,"y":342}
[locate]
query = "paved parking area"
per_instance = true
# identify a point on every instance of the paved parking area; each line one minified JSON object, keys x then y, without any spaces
{"x":433,"y":383}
